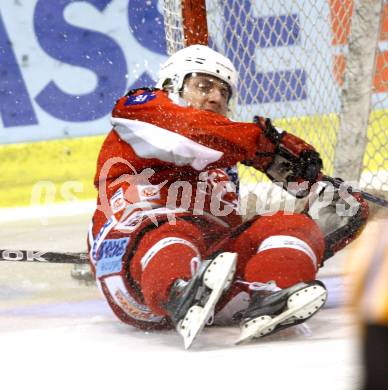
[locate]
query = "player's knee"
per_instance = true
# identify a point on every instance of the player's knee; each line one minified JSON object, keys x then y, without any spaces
{"x":286,"y":249}
{"x":299,"y":226}
{"x":174,"y":237}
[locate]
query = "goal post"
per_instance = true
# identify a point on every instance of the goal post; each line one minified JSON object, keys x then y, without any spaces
{"x":185,"y":23}
{"x":356,"y":95}
{"x":317,"y":68}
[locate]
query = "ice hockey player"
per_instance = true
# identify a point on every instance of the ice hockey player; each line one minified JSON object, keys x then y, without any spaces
{"x":167,"y":243}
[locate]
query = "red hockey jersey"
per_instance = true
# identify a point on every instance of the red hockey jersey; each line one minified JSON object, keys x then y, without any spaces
{"x":158,"y":150}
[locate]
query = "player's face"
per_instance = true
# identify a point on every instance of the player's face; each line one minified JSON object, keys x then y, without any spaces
{"x":206,"y":92}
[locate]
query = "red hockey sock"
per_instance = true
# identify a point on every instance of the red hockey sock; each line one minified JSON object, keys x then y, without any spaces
{"x":283,"y":265}
{"x":284,"y":248}
{"x":164,"y":255}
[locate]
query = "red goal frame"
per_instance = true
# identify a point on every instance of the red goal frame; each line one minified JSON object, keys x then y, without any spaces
{"x":194,"y":22}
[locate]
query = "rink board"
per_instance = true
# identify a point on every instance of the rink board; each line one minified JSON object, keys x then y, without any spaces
{"x":63,"y":170}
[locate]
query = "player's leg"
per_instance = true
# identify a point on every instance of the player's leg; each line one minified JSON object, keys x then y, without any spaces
{"x":163,"y":255}
{"x":174,"y":278}
{"x":285,"y":250}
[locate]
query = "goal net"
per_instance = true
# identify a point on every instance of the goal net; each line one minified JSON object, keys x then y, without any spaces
{"x":318,"y":69}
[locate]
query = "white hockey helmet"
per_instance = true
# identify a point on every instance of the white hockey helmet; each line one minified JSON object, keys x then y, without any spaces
{"x":196,"y":59}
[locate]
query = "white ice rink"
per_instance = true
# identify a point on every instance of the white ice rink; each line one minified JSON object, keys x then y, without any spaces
{"x":58,"y":334}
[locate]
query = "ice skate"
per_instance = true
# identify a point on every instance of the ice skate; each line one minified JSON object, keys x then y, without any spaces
{"x":271,"y":311}
{"x":192,"y":303}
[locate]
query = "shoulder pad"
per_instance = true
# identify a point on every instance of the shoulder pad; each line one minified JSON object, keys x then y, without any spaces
{"x":140,"y":96}
{"x":133,"y":91}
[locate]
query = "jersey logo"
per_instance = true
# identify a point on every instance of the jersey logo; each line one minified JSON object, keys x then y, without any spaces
{"x":117,"y":201}
{"x":109,"y":257}
{"x":139,"y":99}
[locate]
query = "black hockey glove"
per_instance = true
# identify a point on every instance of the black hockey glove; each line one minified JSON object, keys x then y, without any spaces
{"x":294,"y":161}
{"x":340,"y":212}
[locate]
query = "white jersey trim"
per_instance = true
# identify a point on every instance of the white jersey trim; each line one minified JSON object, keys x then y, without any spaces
{"x":164,"y":243}
{"x":275,"y":242}
{"x":151,"y":141}
{"x":120,"y":295}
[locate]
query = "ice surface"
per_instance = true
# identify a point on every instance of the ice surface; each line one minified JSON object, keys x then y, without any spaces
{"x":58,"y":334}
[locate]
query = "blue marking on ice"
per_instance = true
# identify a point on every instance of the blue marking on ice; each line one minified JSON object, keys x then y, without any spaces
{"x":92,"y":308}
{"x":63,"y":309}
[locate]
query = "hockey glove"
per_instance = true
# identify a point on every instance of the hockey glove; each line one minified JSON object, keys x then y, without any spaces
{"x":295,"y":165}
{"x":340,"y":212}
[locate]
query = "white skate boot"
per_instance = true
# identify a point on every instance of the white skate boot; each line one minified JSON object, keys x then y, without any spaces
{"x":269,"y":312}
{"x":192,"y":303}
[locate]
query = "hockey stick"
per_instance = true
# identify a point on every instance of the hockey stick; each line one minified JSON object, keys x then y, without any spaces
{"x":43,"y":257}
{"x":82,"y":257}
{"x":367,"y":196}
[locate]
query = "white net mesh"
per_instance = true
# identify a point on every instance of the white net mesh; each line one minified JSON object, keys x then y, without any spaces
{"x":291,"y":55}
{"x":376,"y":155}
{"x":172,"y":11}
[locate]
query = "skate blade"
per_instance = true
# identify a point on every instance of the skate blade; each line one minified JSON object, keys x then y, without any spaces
{"x":218,"y":277}
{"x":301,"y":305}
